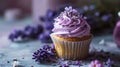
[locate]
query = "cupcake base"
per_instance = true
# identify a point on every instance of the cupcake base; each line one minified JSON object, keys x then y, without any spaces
{"x":72,"y":48}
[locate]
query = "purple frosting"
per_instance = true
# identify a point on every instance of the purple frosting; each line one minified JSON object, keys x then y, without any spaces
{"x":71,"y":24}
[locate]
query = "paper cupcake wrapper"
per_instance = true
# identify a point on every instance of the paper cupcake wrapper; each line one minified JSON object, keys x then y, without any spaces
{"x":71,"y":50}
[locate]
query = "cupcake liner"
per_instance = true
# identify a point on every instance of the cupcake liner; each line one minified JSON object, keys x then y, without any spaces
{"x":71,"y":50}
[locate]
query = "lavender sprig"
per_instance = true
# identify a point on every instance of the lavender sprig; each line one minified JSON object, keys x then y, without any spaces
{"x":45,"y":54}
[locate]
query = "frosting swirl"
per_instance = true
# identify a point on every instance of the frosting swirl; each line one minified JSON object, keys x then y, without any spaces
{"x":71,"y":24}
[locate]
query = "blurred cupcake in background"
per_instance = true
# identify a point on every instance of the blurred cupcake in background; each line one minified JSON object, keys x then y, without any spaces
{"x":116,"y":32}
{"x":71,"y":35}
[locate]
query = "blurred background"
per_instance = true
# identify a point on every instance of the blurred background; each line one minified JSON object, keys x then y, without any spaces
{"x":102,"y":15}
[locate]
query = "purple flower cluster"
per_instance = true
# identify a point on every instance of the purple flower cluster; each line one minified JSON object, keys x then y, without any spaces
{"x":45,"y":54}
{"x":41,"y":31}
{"x":29,"y":32}
{"x":96,"y":63}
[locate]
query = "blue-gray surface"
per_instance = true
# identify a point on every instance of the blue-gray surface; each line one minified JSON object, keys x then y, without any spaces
{"x":23,"y":51}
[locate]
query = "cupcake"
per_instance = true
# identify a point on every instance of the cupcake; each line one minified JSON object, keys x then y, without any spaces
{"x":71,"y":35}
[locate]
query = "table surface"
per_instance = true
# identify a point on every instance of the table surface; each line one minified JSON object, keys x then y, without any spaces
{"x":23,"y":51}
